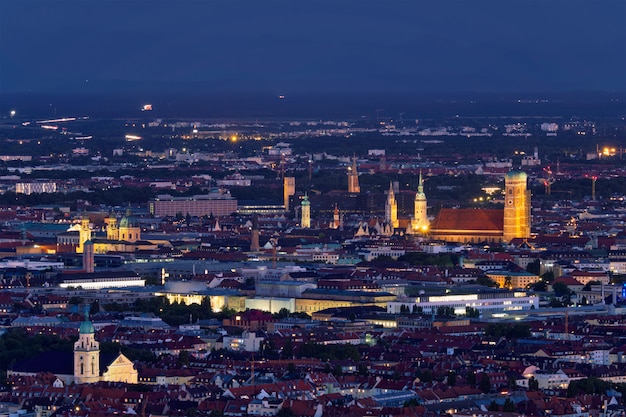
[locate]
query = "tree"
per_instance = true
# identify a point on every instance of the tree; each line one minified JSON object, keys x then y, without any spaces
{"x":507,"y":282}
{"x":493,"y":406}
{"x":75,"y":300}
{"x":471,"y":378}
{"x":485,"y":383}
{"x":533,"y":384}
{"x":451,"y":380}
{"x":534,"y":267}
{"x":445,"y":311}
{"x":548,"y":277}
{"x":486,"y":281}
{"x":288,"y":348}
{"x":285,"y":412}
{"x":282,"y":313}
{"x":509,"y":406}
{"x":472,"y":312}
{"x":183,"y":358}
{"x":560,"y":289}
{"x":426,"y":376}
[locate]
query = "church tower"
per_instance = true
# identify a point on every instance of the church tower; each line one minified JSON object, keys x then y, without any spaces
{"x":112,"y":230}
{"x":334,"y":224}
{"x":305,"y":221}
{"x":289,"y":189}
{"x":353,"y":178}
{"x":419,"y":223}
{"x":88,"y":257}
{"x":86,"y":354}
{"x":84,"y":234}
{"x":516,"y":206}
{"x":254,"y":234}
{"x":391,"y":208}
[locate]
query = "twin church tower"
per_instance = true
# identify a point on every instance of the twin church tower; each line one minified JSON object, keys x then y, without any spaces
{"x":418,"y":224}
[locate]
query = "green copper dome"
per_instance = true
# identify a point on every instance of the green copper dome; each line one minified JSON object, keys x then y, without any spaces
{"x":516,"y":175}
{"x":86,"y":327}
{"x":128,"y":220}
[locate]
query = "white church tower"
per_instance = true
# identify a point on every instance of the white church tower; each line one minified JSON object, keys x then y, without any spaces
{"x":419,"y":222}
{"x":86,"y":354}
{"x":305,"y":221}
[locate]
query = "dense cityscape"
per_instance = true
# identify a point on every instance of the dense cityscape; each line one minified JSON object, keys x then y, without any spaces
{"x":372,"y":266}
{"x":315,"y":208}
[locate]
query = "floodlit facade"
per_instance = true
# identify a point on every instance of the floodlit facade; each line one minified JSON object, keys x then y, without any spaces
{"x":214,"y":203}
{"x":488,"y":302}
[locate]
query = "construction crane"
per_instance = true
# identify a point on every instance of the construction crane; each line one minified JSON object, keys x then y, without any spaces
{"x":548,"y":180}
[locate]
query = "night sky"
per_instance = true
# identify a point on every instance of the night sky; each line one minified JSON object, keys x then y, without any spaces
{"x":284,"y":46}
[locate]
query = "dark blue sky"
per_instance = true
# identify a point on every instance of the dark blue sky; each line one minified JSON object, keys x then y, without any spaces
{"x":284,"y":46}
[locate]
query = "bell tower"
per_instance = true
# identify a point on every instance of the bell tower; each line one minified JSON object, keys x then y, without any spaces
{"x":84,"y":234}
{"x":516,"y":206}
{"x":305,"y":221}
{"x":353,"y":178}
{"x":391,"y":208}
{"x":86,"y":354}
{"x":419,"y":223}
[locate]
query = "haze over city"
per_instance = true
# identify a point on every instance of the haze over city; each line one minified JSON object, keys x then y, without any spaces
{"x":312,"y":208}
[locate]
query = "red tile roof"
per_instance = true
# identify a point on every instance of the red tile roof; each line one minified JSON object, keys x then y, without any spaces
{"x":468,"y":219}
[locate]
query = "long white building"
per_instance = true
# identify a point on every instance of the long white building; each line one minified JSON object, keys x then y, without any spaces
{"x":484,"y":302}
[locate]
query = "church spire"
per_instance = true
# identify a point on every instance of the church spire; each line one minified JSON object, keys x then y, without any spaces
{"x":391,"y":208}
{"x":420,"y":185}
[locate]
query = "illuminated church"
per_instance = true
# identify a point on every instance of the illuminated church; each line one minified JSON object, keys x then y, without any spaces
{"x":85,"y":365}
{"x":122,"y":237}
{"x":417,"y":224}
{"x":488,"y":225}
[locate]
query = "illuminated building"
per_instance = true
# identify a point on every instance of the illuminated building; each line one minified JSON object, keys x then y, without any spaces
{"x":488,"y":225}
{"x":216,"y":203}
{"x":128,"y":229}
{"x":353,"y":178}
{"x":247,"y":342}
{"x":289,"y":189}
{"x":88,"y":257}
{"x":313,"y":300}
{"x":516,"y":207}
{"x":86,"y":354}
{"x":85,"y":365}
{"x":84,"y":234}
{"x":391,"y":208}
{"x":335,"y":223}
{"x":100,"y":280}
{"x":510,"y":280}
{"x":485,"y":302}
{"x":305,"y":221}
{"x":29,"y":188}
{"x":419,"y":222}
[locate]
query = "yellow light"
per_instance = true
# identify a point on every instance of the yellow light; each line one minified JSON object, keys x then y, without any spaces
{"x":233,"y":138}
